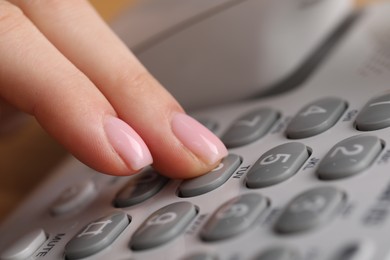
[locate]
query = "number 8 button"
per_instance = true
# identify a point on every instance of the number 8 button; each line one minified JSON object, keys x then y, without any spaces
{"x":349,"y":157}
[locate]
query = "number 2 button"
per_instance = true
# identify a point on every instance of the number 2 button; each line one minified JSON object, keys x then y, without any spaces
{"x":349,"y":157}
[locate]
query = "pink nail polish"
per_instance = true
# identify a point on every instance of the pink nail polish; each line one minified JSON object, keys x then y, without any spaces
{"x":127,"y":143}
{"x":198,"y":138}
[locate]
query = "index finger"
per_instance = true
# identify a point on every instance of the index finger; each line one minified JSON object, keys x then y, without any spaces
{"x":181,"y":147}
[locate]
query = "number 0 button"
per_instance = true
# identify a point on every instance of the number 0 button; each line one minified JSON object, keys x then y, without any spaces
{"x":277,"y":165}
{"x":234,"y":217}
{"x":349,"y":157}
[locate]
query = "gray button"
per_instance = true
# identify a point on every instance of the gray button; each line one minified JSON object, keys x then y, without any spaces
{"x":316,"y":117}
{"x":310,"y":209}
{"x":96,"y":236}
{"x":140,"y":188}
{"x":25,"y":246}
{"x":200,"y":256}
{"x":250,"y":127}
{"x":234,"y":217}
{"x":277,"y":165}
{"x":355,"y":251}
{"x":74,"y":198}
{"x":279,"y":253}
{"x":349,"y":157}
{"x":211,"y":180}
{"x":163,"y":225}
{"x":375,"y":114}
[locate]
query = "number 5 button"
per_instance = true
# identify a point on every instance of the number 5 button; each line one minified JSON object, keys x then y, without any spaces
{"x":349,"y":157}
{"x":277,"y":165}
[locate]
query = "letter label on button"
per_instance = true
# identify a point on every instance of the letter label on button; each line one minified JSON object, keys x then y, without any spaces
{"x":273,"y":158}
{"x":249,"y":123}
{"x":342,"y":149}
{"x":313,"y":110}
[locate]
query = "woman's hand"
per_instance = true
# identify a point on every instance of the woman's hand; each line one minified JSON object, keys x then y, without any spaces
{"x":61,"y":63}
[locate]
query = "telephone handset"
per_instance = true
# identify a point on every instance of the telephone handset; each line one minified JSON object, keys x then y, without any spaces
{"x":307,"y":174}
{"x":211,"y":52}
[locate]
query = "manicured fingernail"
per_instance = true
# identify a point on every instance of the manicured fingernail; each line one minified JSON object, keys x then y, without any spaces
{"x":198,"y":138}
{"x":127,"y":143}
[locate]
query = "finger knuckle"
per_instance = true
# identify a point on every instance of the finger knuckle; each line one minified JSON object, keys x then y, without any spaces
{"x":138,"y":80}
{"x":11,"y":17}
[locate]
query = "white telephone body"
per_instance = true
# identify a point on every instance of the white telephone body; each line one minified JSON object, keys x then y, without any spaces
{"x":298,"y":91}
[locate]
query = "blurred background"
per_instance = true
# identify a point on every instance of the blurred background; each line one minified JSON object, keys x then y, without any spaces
{"x":29,"y":154}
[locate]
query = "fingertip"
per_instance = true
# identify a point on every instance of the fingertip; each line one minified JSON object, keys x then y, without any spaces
{"x":198,"y":139}
{"x":127,"y":144}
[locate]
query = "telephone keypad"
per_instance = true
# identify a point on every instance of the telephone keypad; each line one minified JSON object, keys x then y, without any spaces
{"x":232,"y":218}
{"x":309,"y":210}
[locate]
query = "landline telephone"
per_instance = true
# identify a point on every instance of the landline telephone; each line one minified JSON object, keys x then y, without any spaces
{"x":306,"y":177}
